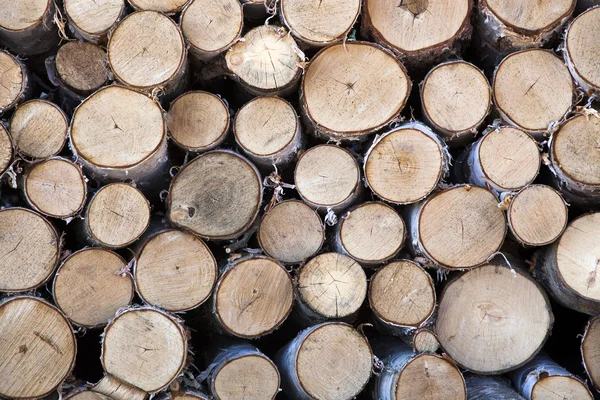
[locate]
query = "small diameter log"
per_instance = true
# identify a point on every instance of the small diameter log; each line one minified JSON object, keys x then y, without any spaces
{"x":327,"y":361}
{"x":475,"y":321}
{"x":215,"y":203}
{"x":350,"y":90}
{"x":15,"y":83}
{"x":457,"y":228}
{"x":175,"y":271}
{"x":198,"y":121}
{"x":425,"y":341}
{"x":490,"y":387}
{"x":291,"y":232}
{"x":456,"y":98}
{"x":371,"y":233}
{"x":253,"y":297}
{"x":168,"y":7}
{"x":38,"y":129}
{"x":542,"y":378}
{"x":31,"y":249}
{"x":328,"y":177}
{"x":568,"y":268}
{"x":27,"y":27}
{"x":6,"y":149}
{"x":212,"y":27}
{"x":590,"y":343}
{"x":582,"y":46}
{"x":55,"y":187}
{"x":319,"y":24}
{"x":533,"y":91}
{"x":268,"y":131}
{"x":38,"y":347}
{"x":91,"y":286}
{"x":93,"y":20}
{"x":406,"y":164}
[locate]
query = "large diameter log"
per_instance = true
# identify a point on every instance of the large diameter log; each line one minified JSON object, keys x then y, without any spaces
{"x":168,"y":7}
{"x":490,"y":387}
{"x":216,"y":203}
{"x":6,"y":149}
{"x":475,"y":321}
{"x":14,"y":81}
{"x":27,"y":27}
{"x":31,"y":249}
{"x":175,"y":271}
{"x":93,"y":20}
{"x":582,"y":48}
{"x":533,"y":91}
{"x":457,"y":228}
{"x":350,"y":90}
{"x":329,"y":361}
{"x":590,"y":343}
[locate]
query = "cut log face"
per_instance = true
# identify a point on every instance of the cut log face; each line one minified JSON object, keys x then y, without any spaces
{"x":31,"y":250}
{"x":425,"y":341}
{"x":27,"y":28}
{"x":582,"y":44}
{"x":351,"y":90}
{"x":590,"y":344}
{"x":475,"y":319}
{"x":42,"y":346}
{"x":216,"y":203}
{"x":168,"y":7}
{"x":38,"y":129}
{"x":490,"y":387}
{"x":175,"y":271}
{"x":86,"y":395}
{"x":533,"y":90}
{"x":82,"y":67}
{"x":291,"y":232}
{"x":6,"y":149}
{"x":253,"y":297}
{"x":92,"y":21}
{"x":198,"y":121}
{"x":55,"y":187}
{"x":13,"y":81}
{"x":91,"y":286}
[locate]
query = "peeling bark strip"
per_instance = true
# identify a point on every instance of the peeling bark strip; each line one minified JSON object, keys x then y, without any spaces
{"x":490,"y":387}
{"x":27,"y":27}
{"x":93,"y":20}
{"x":589,"y":352}
{"x":15,"y":85}
{"x":581,"y":49}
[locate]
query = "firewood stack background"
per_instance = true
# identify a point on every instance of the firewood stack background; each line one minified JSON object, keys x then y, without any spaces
{"x":303,"y":199}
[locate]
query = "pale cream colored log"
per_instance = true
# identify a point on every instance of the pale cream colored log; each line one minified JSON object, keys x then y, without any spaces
{"x":93,"y":20}
{"x":38,"y":129}
{"x":352,"y":89}
{"x":291,"y":232}
{"x":175,"y":271}
{"x":15,"y":83}
{"x":27,"y":27}
{"x":81,"y":68}
{"x":6,"y":149}
{"x":533,"y":91}
{"x":31,"y":248}
{"x":425,"y":340}
{"x":476,"y":319}
{"x":582,"y":50}
{"x":168,"y":7}
{"x":198,"y":121}
{"x":91,"y":285}
{"x":216,"y":203}
{"x":86,"y":395}
{"x":481,"y":387}
{"x":117,"y":390}
{"x":590,"y":344}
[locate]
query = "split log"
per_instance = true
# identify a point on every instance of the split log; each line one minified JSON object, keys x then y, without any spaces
{"x":326,"y":361}
{"x":253,"y":297}
{"x":93,"y":20}
{"x":371,"y":233}
{"x":91,"y":285}
{"x":31,"y":248}
{"x":291,"y":232}
{"x":533,"y":91}
{"x":425,"y":341}
{"x":15,"y":85}
{"x":582,"y":48}
{"x":406,"y":164}
{"x":457,"y":228}
{"x":6,"y":149}
{"x":169,"y":7}
{"x":38,"y":129}
{"x":475,"y":322}
{"x":175,"y":271}
{"x":350,"y":90}
{"x":589,"y":351}
{"x":215,"y":203}
{"x":268,"y":131}
{"x":490,"y":387}
{"x":27,"y":28}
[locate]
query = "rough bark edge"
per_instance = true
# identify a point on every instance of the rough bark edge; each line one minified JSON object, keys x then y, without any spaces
{"x":167,"y":13}
{"x":99,"y":38}
{"x":490,"y":387}
{"x":26,"y":87}
{"x":3,"y":129}
{"x":594,"y":383}
{"x":40,"y":37}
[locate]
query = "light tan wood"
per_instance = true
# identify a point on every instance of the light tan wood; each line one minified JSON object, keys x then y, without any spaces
{"x":198,"y":121}
{"x":6,"y":149}
{"x":530,"y":16}
{"x":38,"y":129}
{"x":590,"y":351}
{"x":253,"y":297}
{"x":425,"y":341}
{"x":38,"y":346}
{"x":216,"y":203}
{"x":249,"y":377}
{"x":30,"y":248}
{"x":13,"y":81}
{"x":353,"y":89}
{"x":18,"y":16}
{"x":582,"y":46}
{"x":430,"y":377}
{"x":92,"y":20}
{"x":55,"y":187}
{"x":168,"y":7}
{"x":82,"y":67}
{"x":533,"y":89}
{"x":117,"y":215}
{"x":175,"y":271}
{"x":91,"y":286}
{"x":560,"y":387}
{"x":86,"y":395}
{"x":111,"y":388}
{"x":477,"y":314}
{"x":27,"y":28}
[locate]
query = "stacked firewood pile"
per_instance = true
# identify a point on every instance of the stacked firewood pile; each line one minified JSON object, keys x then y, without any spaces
{"x":387,"y":199}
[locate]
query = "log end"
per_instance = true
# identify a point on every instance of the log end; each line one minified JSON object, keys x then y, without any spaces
{"x":253,"y":376}
{"x":82,"y":67}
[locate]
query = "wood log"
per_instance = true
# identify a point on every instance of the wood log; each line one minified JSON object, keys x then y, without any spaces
{"x":31,"y":248}
{"x":419,"y":161}
{"x":91,"y":285}
{"x":456,"y":228}
{"x":589,"y":351}
{"x":6,"y":150}
{"x":268,"y":131}
{"x":38,"y":129}
{"x":215,"y":203}
{"x":198,"y":121}
{"x":93,"y":20}
{"x":28,"y":28}
{"x":327,"y":361}
{"x":533,"y":91}
{"x":581,"y":48}
{"x":85,"y":395}
{"x":475,"y":322}
{"x":291,"y":232}
{"x":425,"y":340}
{"x":490,"y":387}
{"x":253,"y":297}
{"x":15,"y":85}
{"x":350,"y":90}
{"x":169,"y":7}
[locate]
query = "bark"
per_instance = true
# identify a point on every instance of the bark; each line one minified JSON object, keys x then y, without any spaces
{"x":6,"y":150}
{"x":490,"y":387}
{"x":589,"y":352}
{"x":39,"y":36}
